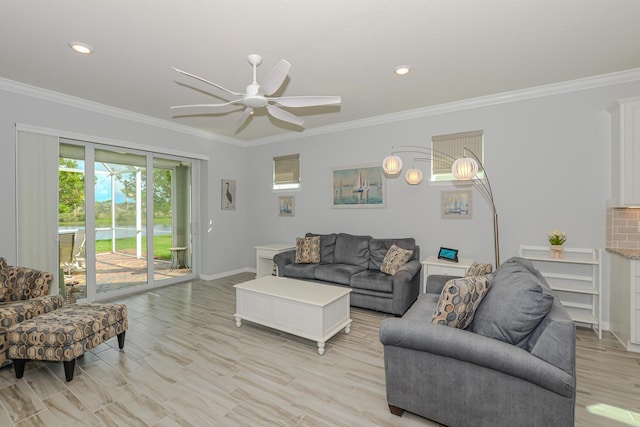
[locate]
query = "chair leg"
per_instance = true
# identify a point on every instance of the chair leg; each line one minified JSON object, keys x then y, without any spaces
{"x":121,"y":340}
{"x":69,"y":367}
{"x":396,"y":411}
{"x":18,"y":366}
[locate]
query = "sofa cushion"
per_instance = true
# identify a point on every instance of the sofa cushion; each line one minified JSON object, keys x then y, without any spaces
{"x":307,"y":250}
{"x":327,"y":246}
{"x":15,"y":312}
{"x":25,"y":283}
{"x":478,"y":269}
{"x":422,"y":310}
{"x":336,"y":273}
{"x":300,"y":271}
{"x":352,"y":250}
{"x":516,"y":302}
{"x":4,"y":279}
{"x":378,"y":249}
{"x":394,"y":259}
{"x":459,"y":300}
{"x":372,"y":280}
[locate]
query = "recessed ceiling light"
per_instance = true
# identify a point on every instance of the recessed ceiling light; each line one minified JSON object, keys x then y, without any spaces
{"x":401,"y":70}
{"x":81,"y":48}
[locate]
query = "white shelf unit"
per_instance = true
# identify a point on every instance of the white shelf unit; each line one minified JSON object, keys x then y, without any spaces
{"x":576,"y":280}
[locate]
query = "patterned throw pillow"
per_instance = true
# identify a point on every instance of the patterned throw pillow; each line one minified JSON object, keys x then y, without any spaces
{"x":4,"y":279}
{"x":307,"y":250}
{"x":459,"y":300}
{"x":478,"y":269}
{"x":394,"y":259}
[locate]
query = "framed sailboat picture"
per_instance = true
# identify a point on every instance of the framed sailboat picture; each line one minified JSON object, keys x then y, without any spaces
{"x":358,"y":187}
{"x":455,"y":204}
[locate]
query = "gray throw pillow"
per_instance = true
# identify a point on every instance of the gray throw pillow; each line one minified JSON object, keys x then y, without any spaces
{"x":515,"y":304}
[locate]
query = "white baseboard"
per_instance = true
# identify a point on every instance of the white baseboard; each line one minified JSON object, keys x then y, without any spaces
{"x":226,"y":273}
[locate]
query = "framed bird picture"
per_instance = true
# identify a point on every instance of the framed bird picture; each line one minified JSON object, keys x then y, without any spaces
{"x":228,"y":195}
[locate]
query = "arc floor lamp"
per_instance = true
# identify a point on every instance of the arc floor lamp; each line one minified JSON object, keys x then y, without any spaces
{"x":464,"y":169}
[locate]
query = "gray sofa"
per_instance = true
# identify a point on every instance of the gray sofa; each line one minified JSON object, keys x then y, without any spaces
{"x":354,"y":261}
{"x":514,"y":365}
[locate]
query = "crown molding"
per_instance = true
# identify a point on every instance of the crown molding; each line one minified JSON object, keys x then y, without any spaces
{"x":482,"y":101}
{"x":72,"y":101}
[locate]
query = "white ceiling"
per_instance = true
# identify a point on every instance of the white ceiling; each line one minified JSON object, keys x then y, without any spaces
{"x":458,"y":49}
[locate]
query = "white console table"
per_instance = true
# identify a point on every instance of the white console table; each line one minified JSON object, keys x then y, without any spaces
{"x":265,"y":254}
{"x":433,"y":265}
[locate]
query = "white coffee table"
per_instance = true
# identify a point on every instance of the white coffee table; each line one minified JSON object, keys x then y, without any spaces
{"x":308,"y":310}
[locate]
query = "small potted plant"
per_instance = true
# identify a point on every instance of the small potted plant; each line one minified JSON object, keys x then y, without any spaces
{"x":557,"y":239}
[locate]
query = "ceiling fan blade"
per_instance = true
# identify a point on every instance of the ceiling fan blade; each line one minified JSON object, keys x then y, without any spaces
{"x":275,"y":78}
{"x":207,"y":105}
{"x":284,"y":115}
{"x":244,"y":116}
{"x":208,"y":82}
{"x":306,"y":101}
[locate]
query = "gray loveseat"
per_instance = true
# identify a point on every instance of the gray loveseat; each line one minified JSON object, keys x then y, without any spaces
{"x":354,"y":261}
{"x":464,"y":377}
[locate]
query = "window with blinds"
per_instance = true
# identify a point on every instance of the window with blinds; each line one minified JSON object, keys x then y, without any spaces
{"x":286,"y":172}
{"x":447,"y":148}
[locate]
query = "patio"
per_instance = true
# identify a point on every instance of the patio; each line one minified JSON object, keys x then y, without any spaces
{"x":116,"y":271}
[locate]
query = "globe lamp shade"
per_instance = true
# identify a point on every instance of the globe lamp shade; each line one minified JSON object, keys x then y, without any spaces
{"x":392,"y":165}
{"x":413,"y":176}
{"x":464,"y":168}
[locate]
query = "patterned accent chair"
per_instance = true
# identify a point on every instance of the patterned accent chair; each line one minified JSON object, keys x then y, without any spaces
{"x":23,"y":296}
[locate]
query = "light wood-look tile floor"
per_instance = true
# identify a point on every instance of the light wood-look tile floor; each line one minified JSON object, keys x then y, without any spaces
{"x":185,"y":363}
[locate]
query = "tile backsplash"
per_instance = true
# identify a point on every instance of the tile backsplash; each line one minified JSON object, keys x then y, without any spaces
{"x":622,"y":228}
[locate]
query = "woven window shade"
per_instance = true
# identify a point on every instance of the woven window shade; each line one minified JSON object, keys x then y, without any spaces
{"x":286,"y":169}
{"x":448,"y":148}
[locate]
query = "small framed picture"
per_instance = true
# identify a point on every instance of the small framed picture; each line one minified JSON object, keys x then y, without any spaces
{"x":228,"y":195}
{"x":286,"y":205}
{"x":455,"y":204}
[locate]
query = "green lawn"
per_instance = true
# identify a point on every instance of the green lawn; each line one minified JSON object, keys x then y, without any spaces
{"x":161,"y":245}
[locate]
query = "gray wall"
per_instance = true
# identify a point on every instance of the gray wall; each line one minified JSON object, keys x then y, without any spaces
{"x":547,"y":157}
{"x":222,"y":233}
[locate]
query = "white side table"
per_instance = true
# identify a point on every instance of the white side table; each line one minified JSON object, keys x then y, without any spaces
{"x":265,"y":254}
{"x":433,"y":265}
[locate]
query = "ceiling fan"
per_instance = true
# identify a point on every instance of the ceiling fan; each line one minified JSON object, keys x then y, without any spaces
{"x":259,"y":95}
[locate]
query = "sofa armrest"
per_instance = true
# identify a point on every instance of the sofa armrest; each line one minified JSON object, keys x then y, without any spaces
{"x":424,"y":336}
{"x":284,"y":258}
{"x":406,"y":286}
{"x":407,"y":272}
{"x":436,"y":282}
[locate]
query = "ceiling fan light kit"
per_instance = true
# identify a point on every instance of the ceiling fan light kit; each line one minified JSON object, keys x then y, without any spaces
{"x":259,"y":95}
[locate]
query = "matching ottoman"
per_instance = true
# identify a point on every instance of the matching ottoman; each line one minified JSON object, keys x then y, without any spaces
{"x":65,"y":334}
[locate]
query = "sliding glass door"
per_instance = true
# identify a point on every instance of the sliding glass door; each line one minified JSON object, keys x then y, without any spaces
{"x":105,"y":221}
{"x":120,"y":221}
{"x":124,"y":220}
{"x":172,"y":245}
{"x":72,"y":221}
